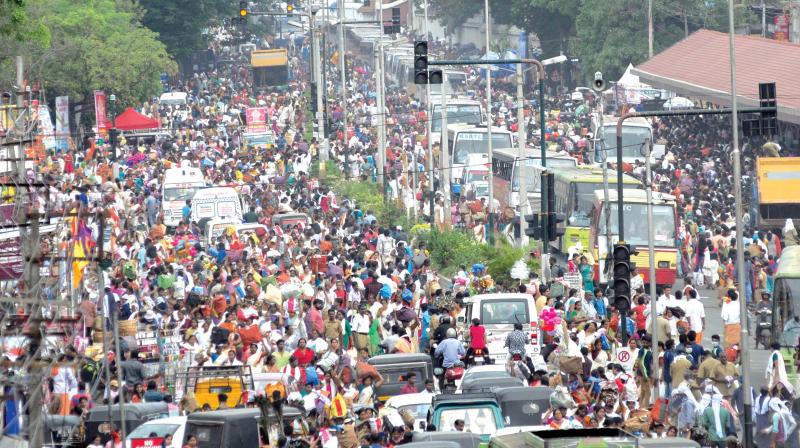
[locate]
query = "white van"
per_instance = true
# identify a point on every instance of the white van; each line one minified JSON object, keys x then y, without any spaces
{"x":174,"y":99}
{"x":498,"y":314}
{"x":151,"y":434}
{"x":223,"y":203}
{"x":179,"y":186}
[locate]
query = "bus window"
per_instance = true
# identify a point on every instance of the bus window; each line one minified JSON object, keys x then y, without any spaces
{"x":787,"y":292}
{"x":636,"y":232}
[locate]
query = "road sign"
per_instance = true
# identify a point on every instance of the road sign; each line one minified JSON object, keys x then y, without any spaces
{"x":624,"y":356}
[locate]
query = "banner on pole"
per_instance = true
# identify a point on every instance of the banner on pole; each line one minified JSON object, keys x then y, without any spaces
{"x":256,"y":119}
{"x":46,"y":128}
{"x":62,"y":123}
{"x":100,"y":113}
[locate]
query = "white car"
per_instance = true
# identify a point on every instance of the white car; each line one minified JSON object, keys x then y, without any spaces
{"x":417,"y":404}
{"x":151,"y":433}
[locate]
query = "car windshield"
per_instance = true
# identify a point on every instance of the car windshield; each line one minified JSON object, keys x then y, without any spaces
{"x":477,"y":420}
{"x":418,"y":411}
{"x":179,"y":194}
{"x":633,"y":137}
{"x":505,"y":311}
{"x":151,"y":430}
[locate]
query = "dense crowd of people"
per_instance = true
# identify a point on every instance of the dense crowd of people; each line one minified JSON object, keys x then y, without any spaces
{"x":314,"y":301}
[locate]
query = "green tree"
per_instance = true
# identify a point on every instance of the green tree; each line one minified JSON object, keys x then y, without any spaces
{"x":15,"y":24}
{"x":94,"y":45}
{"x":182,"y":24}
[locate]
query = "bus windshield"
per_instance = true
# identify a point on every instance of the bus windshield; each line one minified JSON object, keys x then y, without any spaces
{"x":632,"y":139}
{"x":636,"y":224}
{"x":179,"y":194}
{"x":529,"y":171}
{"x":456,"y":113}
{"x":477,"y":143}
{"x":787,"y":308}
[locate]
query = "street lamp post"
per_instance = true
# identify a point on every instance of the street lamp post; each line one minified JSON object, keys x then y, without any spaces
{"x":113,"y":100}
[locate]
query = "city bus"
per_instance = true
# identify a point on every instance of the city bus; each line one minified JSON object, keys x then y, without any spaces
{"x":507,"y":166}
{"x":665,"y":221}
{"x":574,"y":198}
{"x":786,"y":307}
{"x":636,"y":132}
{"x":464,"y":140}
{"x":459,"y":111}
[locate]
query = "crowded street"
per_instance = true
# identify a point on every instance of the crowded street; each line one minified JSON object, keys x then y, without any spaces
{"x":381,"y":223}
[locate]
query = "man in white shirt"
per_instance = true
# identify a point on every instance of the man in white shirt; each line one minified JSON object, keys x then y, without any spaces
{"x":731,"y":317}
{"x":696,"y":314}
{"x":360,"y":328}
{"x":670,"y":300}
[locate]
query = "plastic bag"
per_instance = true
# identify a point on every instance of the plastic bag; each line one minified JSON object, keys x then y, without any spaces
{"x":273,"y":295}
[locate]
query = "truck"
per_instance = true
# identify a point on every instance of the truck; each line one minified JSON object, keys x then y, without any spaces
{"x":270,"y":67}
{"x":776,"y":187}
{"x":180,"y":185}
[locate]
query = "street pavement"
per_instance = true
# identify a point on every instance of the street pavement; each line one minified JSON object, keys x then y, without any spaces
{"x":758,"y":357}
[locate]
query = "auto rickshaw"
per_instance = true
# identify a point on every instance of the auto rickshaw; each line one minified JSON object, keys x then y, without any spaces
{"x":478,"y":385}
{"x":238,"y":428}
{"x":447,"y":439}
{"x":523,"y":406}
{"x":208,"y":382}
{"x":135,"y":414}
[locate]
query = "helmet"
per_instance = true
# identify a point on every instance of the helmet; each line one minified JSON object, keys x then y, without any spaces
{"x":451,"y":333}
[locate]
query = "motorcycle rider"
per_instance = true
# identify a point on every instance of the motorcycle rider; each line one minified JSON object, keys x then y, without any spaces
{"x":516,"y":340}
{"x":451,"y":351}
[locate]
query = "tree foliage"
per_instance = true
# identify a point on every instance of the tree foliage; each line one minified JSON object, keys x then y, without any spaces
{"x":604,"y":35}
{"x":180,"y":24}
{"x":15,"y":24}
{"x":98,"y":44}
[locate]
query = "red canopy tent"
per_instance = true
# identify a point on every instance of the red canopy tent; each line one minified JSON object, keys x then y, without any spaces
{"x":131,"y":120}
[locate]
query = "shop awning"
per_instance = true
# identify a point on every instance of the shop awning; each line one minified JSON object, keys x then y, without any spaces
{"x":698,"y":67}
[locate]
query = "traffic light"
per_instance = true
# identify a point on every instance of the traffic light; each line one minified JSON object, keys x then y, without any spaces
{"x":243,"y":9}
{"x":421,"y":62}
{"x":555,"y":232}
{"x":622,"y":276}
{"x":394,"y":28}
{"x":113,"y":137}
{"x":766,"y":98}
{"x":534,"y":229}
{"x":289,"y":8}
{"x":314,"y":98}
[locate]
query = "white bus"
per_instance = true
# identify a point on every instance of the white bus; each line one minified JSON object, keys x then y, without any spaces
{"x":459,"y":111}
{"x":635,"y":133}
{"x":464,"y":140}
{"x":179,"y":186}
{"x":507,"y":166}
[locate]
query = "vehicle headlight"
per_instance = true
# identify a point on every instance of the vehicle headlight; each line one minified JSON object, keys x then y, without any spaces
{"x":663,"y":264}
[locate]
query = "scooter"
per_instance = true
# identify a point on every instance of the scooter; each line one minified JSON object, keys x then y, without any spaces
{"x":447,"y":376}
{"x":518,"y":368}
{"x":763,"y":327}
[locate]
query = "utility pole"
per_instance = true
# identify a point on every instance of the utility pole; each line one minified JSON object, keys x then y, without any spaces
{"x":651,"y":258}
{"x":491,"y":124}
{"x":523,"y":163}
{"x":380,"y":100}
{"x":649,"y":28}
{"x":737,"y":191}
{"x":322,"y":139}
{"x":29,"y":248}
{"x":444,"y":148}
{"x":340,"y":11}
{"x":431,"y":174}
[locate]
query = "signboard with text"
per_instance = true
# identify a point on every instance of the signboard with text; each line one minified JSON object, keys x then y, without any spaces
{"x":256,"y":119}
{"x":100,"y":113}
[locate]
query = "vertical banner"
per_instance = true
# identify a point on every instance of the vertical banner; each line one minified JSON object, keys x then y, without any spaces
{"x":62,"y":123}
{"x":256,"y":119}
{"x":46,"y":129}
{"x":782,"y":27}
{"x":100,"y":113}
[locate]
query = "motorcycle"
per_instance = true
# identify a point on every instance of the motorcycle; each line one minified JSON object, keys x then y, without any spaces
{"x":475,"y":354}
{"x":763,"y":327}
{"x":447,"y":376}
{"x":518,"y":367}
